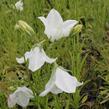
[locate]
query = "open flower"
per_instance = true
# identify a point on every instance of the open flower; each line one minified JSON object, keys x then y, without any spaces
{"x":36,"y":57}
{"x":61,"y":81}
{"x":21,"y":97}
{"x":19,"y":5}
{"x":55,"y":27}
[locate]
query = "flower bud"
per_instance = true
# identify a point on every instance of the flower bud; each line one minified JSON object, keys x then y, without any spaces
{"x":77,"y":28}
{"x":24,"y":27}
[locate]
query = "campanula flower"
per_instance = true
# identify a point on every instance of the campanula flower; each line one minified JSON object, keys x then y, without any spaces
{"x":21,"y":97}
{"x":36,"y":57}
{"x":55,"y":27}
{"x":61,"y":81}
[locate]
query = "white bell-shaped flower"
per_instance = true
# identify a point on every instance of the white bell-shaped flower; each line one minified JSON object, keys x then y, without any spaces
{"x":19,"y":5}
{"x":21,"y":97}
{"x":36,"y":57}
{"x":55,"y":27}
{"x":61,"y":81}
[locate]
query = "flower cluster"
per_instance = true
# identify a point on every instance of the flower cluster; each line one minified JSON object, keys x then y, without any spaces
{"x":60,"y":80}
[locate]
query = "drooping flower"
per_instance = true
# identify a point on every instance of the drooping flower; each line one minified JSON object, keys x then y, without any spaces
{"x":21,"y":97}
{"x":36,"y":57}
{"x":55,"y":27}
{"x":61,"y":81}
{"x":22,"y":25}
{"x":19,"y":5}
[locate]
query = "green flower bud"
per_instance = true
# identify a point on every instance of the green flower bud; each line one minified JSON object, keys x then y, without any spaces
{"x":77,"y":29}
{"x":24,"y":27}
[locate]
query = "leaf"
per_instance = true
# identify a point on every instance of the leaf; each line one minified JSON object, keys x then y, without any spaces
{"x":84,"y":99}
{"x":104,"y":101}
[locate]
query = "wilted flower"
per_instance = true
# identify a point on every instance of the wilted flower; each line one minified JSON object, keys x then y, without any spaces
{"x":21,"y":97}
{"x":19,"y":5}
{"x":61,"y":81}
{"x":55,"y":27}
{"x":24,"y":27}
{"x":36,"y":57}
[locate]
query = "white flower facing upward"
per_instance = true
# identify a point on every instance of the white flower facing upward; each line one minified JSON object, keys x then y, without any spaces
{"x":36,"y":57}
{"x":21,"y":97}
{"x":61,"y":81}
{"x":19,"y":5}
{"x":55,"y":27}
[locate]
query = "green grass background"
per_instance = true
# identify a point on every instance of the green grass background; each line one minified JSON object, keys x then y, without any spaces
{"x":15,"y":43}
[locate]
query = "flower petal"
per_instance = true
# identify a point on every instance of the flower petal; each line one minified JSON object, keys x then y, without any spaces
{"x":54,"y":19}
{"x":56,"y":90}
{"x":46,"y":58}
{"x":28,"y":92}
{"x":22,"y":99}
{"x":67,"y":27}
{"x":23,"y":95}
{"x":11,"y":101}
{"x":79,"y":83}
{"x":54,"y":23}
{"x":52,"y":88}
{"x":36,"y":60}
{"x":45,"y":92}
{"x":27,"y":55}
{"x":65,"y":82}
{"x":43,"y":19}
{"x":20,"y":60}
{"x":49,"y":85}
